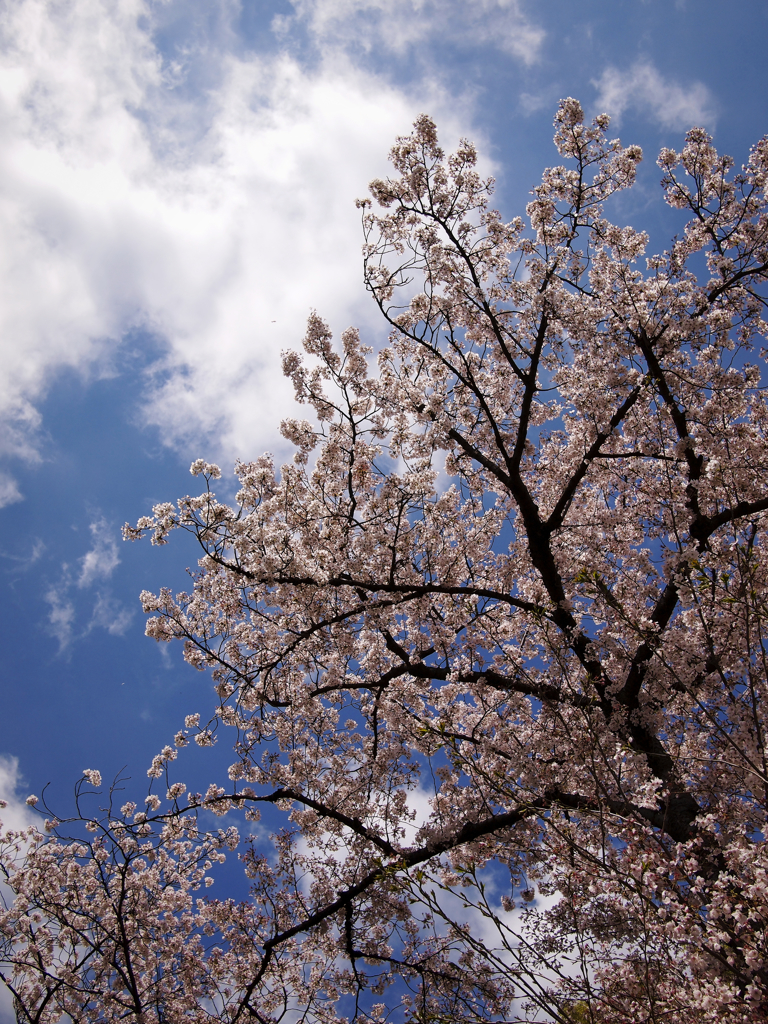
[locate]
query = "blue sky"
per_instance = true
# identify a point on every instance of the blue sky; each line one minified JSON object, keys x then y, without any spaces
{"x":177,"y":186}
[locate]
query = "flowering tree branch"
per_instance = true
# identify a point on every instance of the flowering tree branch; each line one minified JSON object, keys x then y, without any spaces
{"x":494,"y":641}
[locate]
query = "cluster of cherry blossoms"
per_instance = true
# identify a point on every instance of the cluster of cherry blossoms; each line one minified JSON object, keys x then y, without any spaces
{"x":494,"y":642}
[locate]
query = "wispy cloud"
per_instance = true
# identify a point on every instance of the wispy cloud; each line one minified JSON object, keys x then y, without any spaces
{"x":110,"y":614}
{"x":399,"y":26}
{"x":102,"y":559}
{"x":9,"y":490}
{"x":66,"y":608}
{"x":62,"y":614}
{"x":643,"y":89}
{"x":20,"y":563}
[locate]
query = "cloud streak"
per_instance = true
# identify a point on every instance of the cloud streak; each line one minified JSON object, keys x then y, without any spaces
{"x":643,"y":89}
{"x":102,"y":559}
{"x":399,"y":26}
{"x":9,"y":490}
{"x":61,"y":617}
{"x":111,"y":615}
{"x":96,"y":566}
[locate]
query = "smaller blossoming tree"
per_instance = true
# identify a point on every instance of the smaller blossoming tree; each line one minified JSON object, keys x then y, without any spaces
{"x":518,"y":573}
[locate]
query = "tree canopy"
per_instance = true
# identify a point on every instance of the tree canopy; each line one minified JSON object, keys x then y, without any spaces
{"x":494,"y":641}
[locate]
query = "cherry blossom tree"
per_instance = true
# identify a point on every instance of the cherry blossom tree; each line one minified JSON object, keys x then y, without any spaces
{"x":494,"y":642}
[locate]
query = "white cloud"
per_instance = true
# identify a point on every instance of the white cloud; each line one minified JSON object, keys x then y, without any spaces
{"x":273,"y":233}
{"x":111,"y":615}
{"x":15,"y":815}
{"x":96,"y":565}
{"x":62,"y":614}
{"x":102,"y":560}
{"x":9,"y":490}
{"x":20,"y":563}
{"x":108,"y":613}
{"x":215,"y":219}
{"x":532,"y":103}
{"x":644,"y":89}
{"x":401,"y":25}
{"x":51,"y":315}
